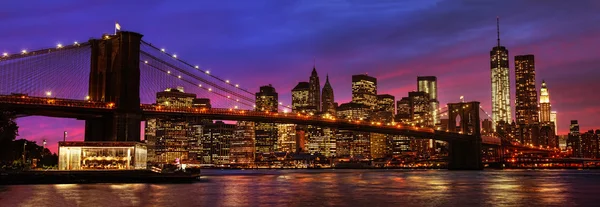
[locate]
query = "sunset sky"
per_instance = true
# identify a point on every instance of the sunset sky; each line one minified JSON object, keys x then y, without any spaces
{"x":258,"y":42}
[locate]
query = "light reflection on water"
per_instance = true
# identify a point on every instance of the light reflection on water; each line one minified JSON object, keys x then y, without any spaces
{"x":329,"y":188}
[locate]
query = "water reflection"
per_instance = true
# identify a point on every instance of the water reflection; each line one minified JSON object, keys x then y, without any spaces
{"x":329,"y":188}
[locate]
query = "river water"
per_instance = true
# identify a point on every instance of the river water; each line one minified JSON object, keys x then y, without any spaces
{"x":330,"y":188}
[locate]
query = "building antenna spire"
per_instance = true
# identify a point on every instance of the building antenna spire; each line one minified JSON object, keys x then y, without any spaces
{"x":498,"y":29}
{"x":314,"y":62}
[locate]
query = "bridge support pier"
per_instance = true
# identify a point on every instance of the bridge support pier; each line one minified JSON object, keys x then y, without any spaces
{"x":115,"y":79}
{"x":465,"y":155}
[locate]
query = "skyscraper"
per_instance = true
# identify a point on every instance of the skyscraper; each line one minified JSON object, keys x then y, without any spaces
{"x":314,"y":93}
{"x":327,"y":99}
{"x":266,"y":133}
{"x":300,"y":97}
{"x":168,"y":138}
{"x":266,"y":99}
{"x":500,"y":82}
{"x":554,"y":119}
{"x":545,"y":104}
{"x":428,"y":84}
{"x":574,"y":139}
{"x":364,"y":90}
{"x":526,"y":94}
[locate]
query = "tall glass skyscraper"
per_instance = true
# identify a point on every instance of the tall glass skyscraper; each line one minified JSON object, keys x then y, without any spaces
{"x":500,"y":82}
{"x":428,"y":84}
{"x":364,"y":90}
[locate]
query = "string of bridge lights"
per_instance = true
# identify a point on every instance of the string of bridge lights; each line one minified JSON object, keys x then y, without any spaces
{"x":25,"y":52}
{"x":207,"y":72}
{"x":210,"y":90}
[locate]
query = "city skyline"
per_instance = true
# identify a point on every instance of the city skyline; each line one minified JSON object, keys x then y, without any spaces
{"x":397,"y":82}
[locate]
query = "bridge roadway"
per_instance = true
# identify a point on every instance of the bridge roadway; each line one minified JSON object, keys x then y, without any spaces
{"x":81,"y":109}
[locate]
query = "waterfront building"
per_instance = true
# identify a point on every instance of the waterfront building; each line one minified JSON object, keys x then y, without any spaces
{"x":242,"y":150}
{"x":364,"y":90}
{"x":216,"y":143}
{"x":403,"y":111}
{"x":168,"y":138}
{"x":500,"y":72}
{"x":321,"y":140}
{"x":287,"y":138}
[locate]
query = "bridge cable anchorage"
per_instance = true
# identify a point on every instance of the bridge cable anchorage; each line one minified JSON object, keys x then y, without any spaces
{"x":173,"y":56}
{"x":189,"y":82}
{"x":195,"y":77}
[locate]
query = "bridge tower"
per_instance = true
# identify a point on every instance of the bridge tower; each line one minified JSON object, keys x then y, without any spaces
{"x":465,"y":154}
{"x":115,"y":78}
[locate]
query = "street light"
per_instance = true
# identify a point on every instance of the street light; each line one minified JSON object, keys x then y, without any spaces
{"x":48,"y":93}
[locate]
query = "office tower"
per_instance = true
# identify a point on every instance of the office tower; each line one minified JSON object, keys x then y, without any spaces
{"x":354,"y":145}
{"x":574,"y":139}
{"x":526,"y":106}
{"x":420,"y":106}
{"x":385,"y":102}
{"x":168,"y":138}
{"x":287,"y":138}
{"x":428,"y":84}
{"x":589,"y":144}
{"x":267,"y":99}
{"x":554,"y":119}
{"x":526,"y":94}
{"x":364,"y":90}
{"x":328,"y":101}
{"x":384,"y":111}
{"x":314,"y":93}
{"x":266,"y":133}
{"x":242,"y":151}
{"x":500,"y":82}
{"x":321,"y":140}
{"x":545,"y":108}
{"x":403,"y":110}
{"x":354,"y":111}
{"x":379,"y":145}
{"x":216,"y":142}
{"x":300,"y":97}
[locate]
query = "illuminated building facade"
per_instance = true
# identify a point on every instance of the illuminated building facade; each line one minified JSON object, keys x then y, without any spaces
{"x":428,"y":84}
{"x":216,"y":143}
{"x":266,"y":133}
{"x":589,"y":144}
{"x":314,"y":93}
{"x":321,"y":140}
{"x":101,"y":156}
{"x":300,"y":97}
{"x":267,"y":99}
{"x":329,"y":106}
{"x":526,"y":106}
{"x":168,"y":139}
{"x":364,"y":90}
{"x":420,"y":108}
{"x":486,"y":127}
{"x":545,"y":108}
{"x":574,"y":139}
{"x":403,"y":110}
{"x":353,"y":144}
{"x":526,"y":93}
{"x":242,"y":150}
{"x":554,"y":119}
{"x":354,"y":111}
{"x":386,"y":102}
{"x":379,"y":145}
{"x":500,"y":76}
{"x":287,"y":138}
